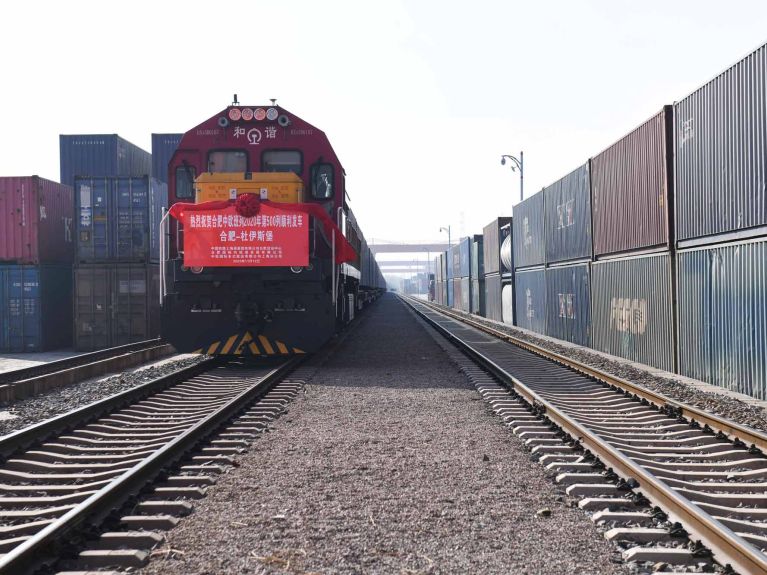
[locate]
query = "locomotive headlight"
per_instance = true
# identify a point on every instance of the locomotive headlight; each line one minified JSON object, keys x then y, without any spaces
{"x":197,"y":269}
{"x":296,"y":269}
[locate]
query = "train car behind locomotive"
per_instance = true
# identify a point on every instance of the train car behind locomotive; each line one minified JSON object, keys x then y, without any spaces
{"x":262,"y":254}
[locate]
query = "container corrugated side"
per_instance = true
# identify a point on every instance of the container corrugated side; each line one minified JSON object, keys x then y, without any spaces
{"x":530,"y":299}
{"x":631,"y":309}
{"x":494,"y":233}
{"x":721,"y":152}
{"x":477,"y":258}
{"x":723,"y":316}
{"x":118,"y":218}
{"x":493,"y":309}
{"x":529,"y":242}
{"x":465,"y":305}
{"x":478,"y":297}
{"x":568,"y":313}
{"x":115,"y":304}
{"x":35,"y":307}
{"x":91,"y":155}
{"x":461,"y":258}
{"x":568,"y":217}
{"x":163,"y":147}
{"x":630,"y":186}
{"x":36,"y":221}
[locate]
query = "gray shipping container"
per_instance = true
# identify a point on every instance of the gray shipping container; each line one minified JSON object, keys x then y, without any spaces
{"x":115,"y":304}
{"x":568,"y":217}
{"x":478,"y":297}
{"x":723,"y":316}
{"x":118,"y":218}
{"x":631,"y":309}
{"x":477,"y":259}
{"x":630,"y":184}
{"x":493,"y":309}
{"x":530,"y":299}
{"x":568,"y":313}
{"x":101,"y":155}
{"x":461,"y":258}
{"x":529,"y":241}
{"x":163,"y":146}
{"x":457,"y":295}
{"x":465,"y":304}
{"x":494,"y":233}
{"x":721,"y":152}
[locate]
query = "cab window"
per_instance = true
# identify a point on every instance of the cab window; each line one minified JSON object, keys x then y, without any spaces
{"x":228,"y":161}
{"x":322,"y":181}
{"x":185,"y":176}
{"x":281,"y":161}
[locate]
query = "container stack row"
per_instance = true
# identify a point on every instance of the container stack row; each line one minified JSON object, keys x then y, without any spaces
{"x":119,"y":200}
{"x":36,"y":253}
{"x":655,"y":249}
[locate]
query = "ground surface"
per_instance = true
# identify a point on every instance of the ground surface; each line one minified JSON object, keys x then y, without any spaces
{"x":389,"y":464}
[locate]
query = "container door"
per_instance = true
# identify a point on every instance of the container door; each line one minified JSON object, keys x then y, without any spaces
{"x":93,"y":220}
{"x":130,"y":321}
{"x":92,"y":302}
{"x":131,"y":235}
{"x":24,"y":309}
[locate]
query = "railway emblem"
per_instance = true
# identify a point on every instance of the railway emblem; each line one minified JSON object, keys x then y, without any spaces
{"x":254,"y":136}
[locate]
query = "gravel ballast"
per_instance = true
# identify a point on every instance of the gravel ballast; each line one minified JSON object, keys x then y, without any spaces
{"x":26,"y":412}
{"x":390,"y":463}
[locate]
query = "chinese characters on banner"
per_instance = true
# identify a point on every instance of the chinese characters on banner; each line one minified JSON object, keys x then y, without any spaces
{"x":224,"y":238}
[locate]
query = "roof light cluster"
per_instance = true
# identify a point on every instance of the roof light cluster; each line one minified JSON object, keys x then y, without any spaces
{"x":248,"y":114}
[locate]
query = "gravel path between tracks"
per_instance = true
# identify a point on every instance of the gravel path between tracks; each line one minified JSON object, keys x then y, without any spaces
{"x":31,"y":410}
{"x":390,"y":463}
{"x":723,"y":405}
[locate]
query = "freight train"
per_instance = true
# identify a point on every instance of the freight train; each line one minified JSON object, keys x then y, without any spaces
{"x":654,"y":249}
{"x":262,"y":254}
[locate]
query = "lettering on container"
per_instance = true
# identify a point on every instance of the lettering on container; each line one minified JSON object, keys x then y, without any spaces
{"x":527,"y":238}
{"x":686,"y":131}
{"x":566,"y":308}
{"x":628,"y":315}
{"x":67,"y":229}
{"x":565,"y":216}
{"x":529,"y":309}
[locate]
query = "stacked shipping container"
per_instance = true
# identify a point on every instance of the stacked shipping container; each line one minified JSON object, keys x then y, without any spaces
{"x":493,"y":237}
{"x":118,"y":207}
{"x":36,"y":251}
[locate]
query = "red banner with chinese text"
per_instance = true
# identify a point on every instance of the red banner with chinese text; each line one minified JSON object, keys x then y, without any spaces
{"x":223,"y":238}
{"x":344,"y":250}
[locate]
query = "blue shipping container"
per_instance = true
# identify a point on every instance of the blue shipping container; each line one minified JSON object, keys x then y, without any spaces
{"x":529,"y":243}
{"x":530,"y":299}
{"x":723,"y":316}
{"x":35,"y":308}
{"x":118,"y":218}
{"x":90,"y":155}
{"x":568,"y":217}
{"x":163,"y":146}
{"x":568,"y":293}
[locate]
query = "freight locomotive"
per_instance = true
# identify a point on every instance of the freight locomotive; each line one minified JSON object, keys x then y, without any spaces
{"x":262,"y":254}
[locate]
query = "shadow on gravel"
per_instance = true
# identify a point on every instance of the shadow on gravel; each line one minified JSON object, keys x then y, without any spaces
{"x":389,"y":348}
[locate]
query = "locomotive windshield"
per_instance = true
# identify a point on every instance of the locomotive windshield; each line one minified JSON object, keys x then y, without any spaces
{"x":185,"y":176}
{"x":282,"y":161}
{"x":228,"y":161}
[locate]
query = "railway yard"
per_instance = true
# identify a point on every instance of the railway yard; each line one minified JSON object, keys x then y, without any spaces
{"x":414,"y":442}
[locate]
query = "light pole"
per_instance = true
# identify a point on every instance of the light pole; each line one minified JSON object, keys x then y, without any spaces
{"x":447,"y":229}
{"x":519,"y":163}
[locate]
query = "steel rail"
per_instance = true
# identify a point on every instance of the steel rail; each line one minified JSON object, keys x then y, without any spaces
{"x":32,"y":553}
{"x":23,"y":438}
{"x":732,"y":429}
{"x":727,"y":547}
{"x":75,"y":361}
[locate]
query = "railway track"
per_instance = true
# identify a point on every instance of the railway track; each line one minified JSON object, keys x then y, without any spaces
{"x":20,"y":383}
{"x":708,"y":475}
{"x":62,"y":478}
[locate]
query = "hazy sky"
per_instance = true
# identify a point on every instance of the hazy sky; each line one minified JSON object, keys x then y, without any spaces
{"x":419,"y":98}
